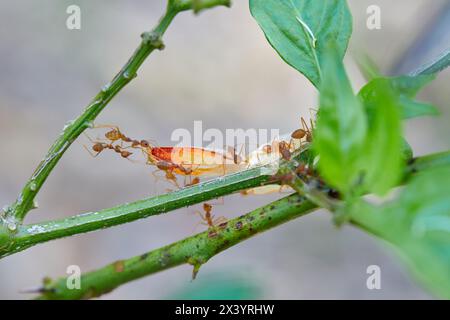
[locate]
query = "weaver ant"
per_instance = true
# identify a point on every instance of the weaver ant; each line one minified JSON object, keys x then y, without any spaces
{"x":305,"y":131}
{"x":284,"y":149}
{"x":98,"y":147}
{"x":208,"y":217}
{"x":115,"y":135}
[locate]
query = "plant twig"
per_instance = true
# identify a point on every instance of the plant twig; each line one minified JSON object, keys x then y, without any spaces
{"x":150,"y":41}
{"x":439,"y":64}
{"x":30,"y":235}
{"x":195,"y":250}
{"x":199,"y":249}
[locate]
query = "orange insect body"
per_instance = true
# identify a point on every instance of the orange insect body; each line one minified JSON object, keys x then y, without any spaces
{"x":192,"y":160}
{"x":197,"y":161}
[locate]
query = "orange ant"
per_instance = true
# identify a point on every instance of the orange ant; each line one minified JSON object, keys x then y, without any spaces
{"x":208,"y":217}
{"x":305,"y":131}
{"x":284,"y":149}
{"x":193,"y":182}
{"x":304,"y":170}
{"x":115,"y":135}
{"x":169,"y":168}
{"x":98,"y":147}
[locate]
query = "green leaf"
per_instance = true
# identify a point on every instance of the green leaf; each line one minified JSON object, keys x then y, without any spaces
{"x":368,"y":67}
{"x":300,"y":30}
{"x":407,"y":152}
{"x":418,"y":224}
{"x":410,"y":86}
{"x":383,"y":147}
{"x":407,"y":88}
{"x":341,"y":128}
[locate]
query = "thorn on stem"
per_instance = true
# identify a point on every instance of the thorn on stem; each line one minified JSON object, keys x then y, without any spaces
{"x":196,"y":264}
{"x":195,"y":271}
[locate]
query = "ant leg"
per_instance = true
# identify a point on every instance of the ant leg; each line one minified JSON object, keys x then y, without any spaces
{"x":132,"y":160}
{"x":313,"y":112}
{"x":97,"y":140}
{"x":173,"y":179}
{"x":108,"y":126}
{"x":304,"y":124}
{"x":202,"y":216}
{"x":220,"y":202}
{"x":196,"y":226}
{"x":154,"y":174}
{"x":219,"y":220}
{"x":224,"y":168}
{"x":92,"y":154}
{"x":202,"y":222}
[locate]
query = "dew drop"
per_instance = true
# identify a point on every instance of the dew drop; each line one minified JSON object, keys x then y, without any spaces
{"x":89,"y":124}
{"x":33,"y":186}
{"x":12,"y":226}
{"x":68,"y":124}
{"x":106,"y":87}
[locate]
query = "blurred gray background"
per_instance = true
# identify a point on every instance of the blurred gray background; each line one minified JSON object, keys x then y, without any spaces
{"x":217,"y":67}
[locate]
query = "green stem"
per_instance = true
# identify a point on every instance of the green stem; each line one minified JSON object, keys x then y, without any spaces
{"x":150,"y":41}
{"x":195,"y":250}
{"x":441,"y":62}
{"x":198,"y":249}
{"x":30,"y":235}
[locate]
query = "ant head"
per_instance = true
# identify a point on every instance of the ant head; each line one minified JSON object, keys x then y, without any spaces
{"x":135,"y":143}
{"x":207,"y":207}
{"x":98,"y":147}
{"x":125,"y":154}
{"x":283,"y":145}
{"x":145,"y":143}
{"x":113,"y":135}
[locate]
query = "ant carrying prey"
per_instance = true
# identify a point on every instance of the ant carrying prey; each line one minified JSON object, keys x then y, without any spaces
{"x":98,"y":147}
{"x":184,"y":161}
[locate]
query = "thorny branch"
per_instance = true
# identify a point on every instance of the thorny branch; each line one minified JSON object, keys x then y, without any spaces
{"x":198,"y":249}
{"x":195,"y":250}
{"x":151,"y":41}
